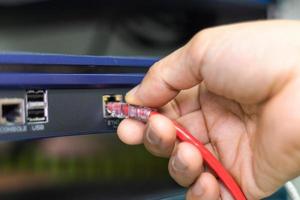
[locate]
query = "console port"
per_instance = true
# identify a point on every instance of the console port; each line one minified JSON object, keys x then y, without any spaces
{"x":12,"y":111}
{"x":110,"y":98}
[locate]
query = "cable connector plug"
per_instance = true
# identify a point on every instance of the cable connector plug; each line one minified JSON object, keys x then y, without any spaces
{"x":124,"y":110}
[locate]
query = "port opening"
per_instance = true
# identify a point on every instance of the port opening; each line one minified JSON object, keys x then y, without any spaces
{"x":36,"y":115}
{"x":35,"y":96}
{"x":12,"y":112}
{"x":37,"y":106}
{"x":110,"y":98}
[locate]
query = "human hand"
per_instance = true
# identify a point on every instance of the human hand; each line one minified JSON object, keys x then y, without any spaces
{"x":235,"y":88}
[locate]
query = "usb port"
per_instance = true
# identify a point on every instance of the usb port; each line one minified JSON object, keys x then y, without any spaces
{"x":36,"y":115}
{"x":35,"y":96}
{"x":37,"y":106}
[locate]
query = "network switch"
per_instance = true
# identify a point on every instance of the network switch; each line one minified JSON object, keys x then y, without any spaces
{"x":44,"y":95}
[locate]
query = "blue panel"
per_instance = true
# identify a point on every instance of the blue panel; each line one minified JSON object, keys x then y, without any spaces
{"x":57,"y":59}
{"x":66,"y":80}
{"x":27,"y":80}
{"x":264,"y":1}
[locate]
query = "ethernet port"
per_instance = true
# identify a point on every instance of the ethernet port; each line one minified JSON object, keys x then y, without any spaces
{"x":12,"y":111}
{"x":110,"y":98}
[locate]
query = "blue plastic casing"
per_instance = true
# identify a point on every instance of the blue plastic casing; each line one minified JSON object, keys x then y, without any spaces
{"x":49,"y":80}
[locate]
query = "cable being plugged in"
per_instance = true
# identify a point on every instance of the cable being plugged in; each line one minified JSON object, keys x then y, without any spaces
{"x":124,"y":110}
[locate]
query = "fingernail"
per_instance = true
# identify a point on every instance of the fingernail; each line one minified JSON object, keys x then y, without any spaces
{"x":197,"y":189}
{"x":132,"y":92}
{"x":151,"y":137}
{"x":178,"y":163}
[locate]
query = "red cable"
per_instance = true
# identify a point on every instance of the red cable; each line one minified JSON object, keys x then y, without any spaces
{"x":211,"y":161}
{"x":123,"y":110}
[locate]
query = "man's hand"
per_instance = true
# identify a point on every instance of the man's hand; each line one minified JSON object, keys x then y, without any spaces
{"x":236,"y":88}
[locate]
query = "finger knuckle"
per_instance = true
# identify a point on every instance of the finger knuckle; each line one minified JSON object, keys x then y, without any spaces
{"x":197,"y":45}
{"x":155,"y":68}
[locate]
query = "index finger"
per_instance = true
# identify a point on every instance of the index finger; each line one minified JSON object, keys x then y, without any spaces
{"x":178,"y":71}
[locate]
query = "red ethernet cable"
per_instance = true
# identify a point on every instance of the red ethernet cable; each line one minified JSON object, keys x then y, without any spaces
{"x":124,"y":110}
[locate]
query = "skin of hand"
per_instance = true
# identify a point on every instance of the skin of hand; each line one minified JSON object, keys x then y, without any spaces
{"x":236,"y":88}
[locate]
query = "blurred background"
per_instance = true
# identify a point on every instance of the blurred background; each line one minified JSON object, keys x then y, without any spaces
{"x":99,"y":166}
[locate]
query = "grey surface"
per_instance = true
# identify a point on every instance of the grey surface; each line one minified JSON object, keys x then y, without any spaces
{"x":71,"y":31}
{"x":288,"y":9}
